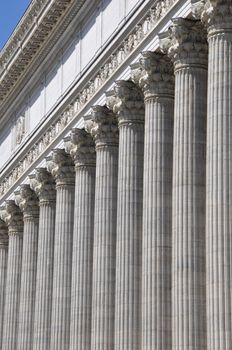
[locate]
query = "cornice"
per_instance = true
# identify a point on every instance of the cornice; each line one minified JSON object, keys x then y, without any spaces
{"x":128,"y":46}
{"x":37,"y":24}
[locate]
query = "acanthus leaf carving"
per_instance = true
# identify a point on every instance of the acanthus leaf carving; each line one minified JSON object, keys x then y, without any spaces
{"x":214,"y":14}
{"x":81,"y":147}
{"x":44,"y":186}
{"x":185,"y":42}
{"x":61,"y":166}
{"x":157,"y":77}
{"x":103,"y":127}
{"x":27,"y":201}
{"x":128,"y":104}
{"x":13,"y":218}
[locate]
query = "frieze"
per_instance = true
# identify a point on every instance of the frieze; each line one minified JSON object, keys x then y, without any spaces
{"x":116,"y":59}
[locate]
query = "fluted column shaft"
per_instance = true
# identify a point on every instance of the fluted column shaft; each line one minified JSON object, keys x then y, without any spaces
{"x":105,"y":132}
{"x":3,"y":270}
{"x":218,"y":178}
{"x":43,"y":185}
{"x":3,"y":267}
{"x":29,"y":206}
{"x":63,"y":171}
{"x":188,"y":50}
{"x":129,"y":108}
{"x":81,"y":147}
{"x":13,"y":279}
{"x":157,"y":84}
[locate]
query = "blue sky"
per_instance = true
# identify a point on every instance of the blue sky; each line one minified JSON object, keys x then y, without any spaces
{"x":10,"y":13}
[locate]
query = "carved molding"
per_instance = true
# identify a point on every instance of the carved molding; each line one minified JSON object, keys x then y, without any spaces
{"x":27,"y":201}
{"x":185,"y":43}
{"x":61,"y":166}
{"x":35,"y":26}
{"x":214,"y":14}
{"x":13,"y":218}
{"x":128,"y":102}
{"x":81,"y":147}
{"x":44,"y":186}
{"x":74,"y":108}
{"x":103,"y":127}
{"x":156,"y":75}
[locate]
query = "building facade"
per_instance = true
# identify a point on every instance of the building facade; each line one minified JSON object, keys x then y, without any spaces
{"x":116,"y":176}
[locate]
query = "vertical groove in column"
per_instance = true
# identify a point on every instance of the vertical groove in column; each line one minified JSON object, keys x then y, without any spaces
{"x":104,"y":130}
{"x":129,"y":238}
{"x":10,"y":329}
{"x":62,"y":168}
{"x":104,"y":249}
{"x":157,"y":83}
{"x":44,"y":186}
{"x":129,"y":107}
{"x":157,"y":223}
{"x":218,"y":181}
{"x":42,"y":324}
{"x":62,"y":268}
{"x":28,"y":285}
{"x":187,"y":47}
{"x":82,"y":150}
{"x":189,"y":210}
{"x":3,"y":271}
{"x":28,"y":203}
{"x":13,"y":219}
{"x":82,"y":260}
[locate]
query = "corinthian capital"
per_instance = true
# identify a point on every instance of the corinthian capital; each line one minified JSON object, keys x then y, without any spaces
{"x":3,"y":235}
{"x":81,"y":147}
{"x":185,"y":43}
{"x":157,"y":78}
{"x":61,"y":166}
{"x":136,"y":72}
{"x":103,"y":127}
{"x":13,"y":218}
{"x":28,"y":203}
{"x":44,"y":186}
{"x":128,"y":104}
{"x":215,"y":14}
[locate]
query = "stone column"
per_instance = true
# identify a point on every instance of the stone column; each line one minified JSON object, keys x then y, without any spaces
{"x":14,"y":220}
{"x":3,"y":270}
{"x":187,"y":47}
{"x":104,"y":129}
{"x":157,"y":83}
{"x":28,"y":204}
{"x":217,"y":16}
{"x":129,"y":108}
{"x":44,"y":186}
{"x":62,"y":168}
{"x":82,"y":150}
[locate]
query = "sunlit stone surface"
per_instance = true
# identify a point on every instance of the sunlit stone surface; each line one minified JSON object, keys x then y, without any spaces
{"x":115,"y":176}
